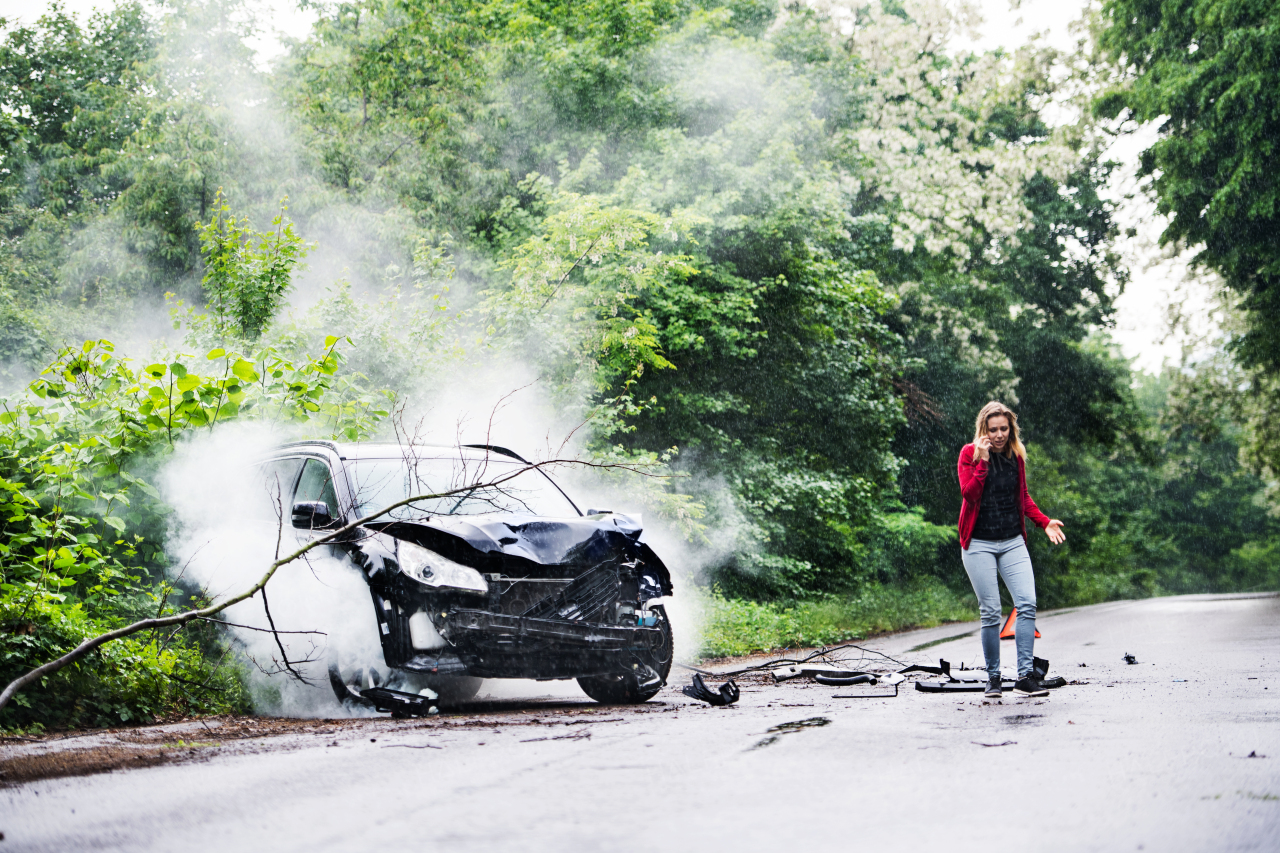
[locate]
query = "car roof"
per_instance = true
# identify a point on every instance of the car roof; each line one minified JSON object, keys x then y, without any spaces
{"x":387,"y":450}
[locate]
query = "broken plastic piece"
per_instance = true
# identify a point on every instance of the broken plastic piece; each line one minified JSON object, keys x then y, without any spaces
{"x":819,"y":673}
{"x":1130,"y":659}
{"x":399,"y":703}
{"x":845,"y":681}
{"x":1041,"y":668}
{"x":727,"y":693}
{"x":943,"y":668}
{"x":892,"y":681}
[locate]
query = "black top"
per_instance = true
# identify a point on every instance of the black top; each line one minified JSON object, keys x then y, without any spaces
{"x":999,"y":516}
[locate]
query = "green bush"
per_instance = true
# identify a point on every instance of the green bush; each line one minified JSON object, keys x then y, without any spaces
{"x":133,"y":680}
{"x":738,"y":627}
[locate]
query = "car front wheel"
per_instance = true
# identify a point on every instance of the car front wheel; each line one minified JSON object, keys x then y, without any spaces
{"x":627,"y":688}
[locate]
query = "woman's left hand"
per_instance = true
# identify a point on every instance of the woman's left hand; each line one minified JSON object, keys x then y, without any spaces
{"x":1054,"y":529}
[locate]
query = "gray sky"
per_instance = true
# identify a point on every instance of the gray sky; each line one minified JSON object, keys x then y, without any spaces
{"x":1140,"y":311}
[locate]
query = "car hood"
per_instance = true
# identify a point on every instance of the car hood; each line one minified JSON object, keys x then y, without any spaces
{"x":506,"y":542}
{"x":547,"y":541}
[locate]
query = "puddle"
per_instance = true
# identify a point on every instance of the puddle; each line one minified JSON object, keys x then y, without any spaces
{"x":791,"y":728}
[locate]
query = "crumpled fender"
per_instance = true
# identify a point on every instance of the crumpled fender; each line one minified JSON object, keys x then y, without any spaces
{"x":376,"y":556}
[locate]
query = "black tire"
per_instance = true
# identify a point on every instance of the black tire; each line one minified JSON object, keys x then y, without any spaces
{"x":625,"y":689}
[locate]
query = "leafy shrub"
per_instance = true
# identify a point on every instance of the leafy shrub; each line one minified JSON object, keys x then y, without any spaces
{"x":737,"y":627}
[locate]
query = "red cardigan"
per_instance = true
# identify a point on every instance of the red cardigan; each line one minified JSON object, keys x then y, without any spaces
{"x":973,"y":479}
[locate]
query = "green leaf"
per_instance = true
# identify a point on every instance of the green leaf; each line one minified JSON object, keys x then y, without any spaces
{"x":178,"y":369}
{"x":330,"y":340}
{"x":189,"y":382}
{"x":245,"y":370}
{"x":156,"y":370}
{"x":218,"y":352}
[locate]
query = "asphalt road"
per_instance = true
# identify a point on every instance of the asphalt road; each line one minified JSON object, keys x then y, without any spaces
{"x":1179,"y":752}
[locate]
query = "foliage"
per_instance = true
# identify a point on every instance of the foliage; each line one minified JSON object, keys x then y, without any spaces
{"x":82,"y":543}
{"x":734,"y":626}
{"x":247,"y":273}
{"x":1208,"y":71}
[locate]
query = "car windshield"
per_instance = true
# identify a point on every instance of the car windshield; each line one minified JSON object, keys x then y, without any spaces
{"x":380,"y":482}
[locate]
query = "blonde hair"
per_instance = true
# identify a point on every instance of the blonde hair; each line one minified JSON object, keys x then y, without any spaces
{"x":989,"y":411}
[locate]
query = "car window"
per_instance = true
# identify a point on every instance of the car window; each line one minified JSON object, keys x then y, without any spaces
{"x":279,"y":475}
{"x":381,"y":482}
{"x":316,"y":484}
{"x":274,"y":486}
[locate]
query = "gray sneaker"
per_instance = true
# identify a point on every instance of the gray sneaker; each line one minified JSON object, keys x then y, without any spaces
{"x":993,"y":688}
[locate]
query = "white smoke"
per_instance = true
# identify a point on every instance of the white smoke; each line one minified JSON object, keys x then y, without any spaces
{"x":226,"y":533}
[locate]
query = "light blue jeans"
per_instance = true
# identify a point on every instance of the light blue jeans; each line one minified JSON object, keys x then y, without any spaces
{"x":983,"y":561}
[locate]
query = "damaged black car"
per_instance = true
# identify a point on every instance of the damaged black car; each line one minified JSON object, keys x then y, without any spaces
{"x":505,"y":577}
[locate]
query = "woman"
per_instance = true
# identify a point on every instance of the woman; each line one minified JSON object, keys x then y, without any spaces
{"x":993,"y":538}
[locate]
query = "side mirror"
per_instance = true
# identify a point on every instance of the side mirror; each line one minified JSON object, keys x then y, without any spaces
{"x":311,"y":515}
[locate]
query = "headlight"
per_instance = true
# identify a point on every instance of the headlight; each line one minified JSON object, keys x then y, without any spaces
{"x":429,"y":568}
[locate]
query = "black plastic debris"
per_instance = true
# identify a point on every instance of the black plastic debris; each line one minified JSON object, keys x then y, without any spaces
{"x":831,"y":675}
{"x":943,"y":668}
{"x":843,"y":680}
{"x":891,"y":681}
{"x":399,"y":703}
{"x":727,"y":693}
{"x":1040,"y":667}
{"x":1130,"y":659}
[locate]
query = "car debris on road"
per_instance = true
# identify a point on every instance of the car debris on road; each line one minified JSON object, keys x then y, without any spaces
{"x":723,"y":696}
{"x":975,"y":680}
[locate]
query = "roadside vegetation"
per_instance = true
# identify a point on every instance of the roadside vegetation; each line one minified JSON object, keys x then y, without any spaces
{"x":784,"y":251}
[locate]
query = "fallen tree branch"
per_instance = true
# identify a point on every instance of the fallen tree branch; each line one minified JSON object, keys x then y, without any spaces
{"x":263,"y":630}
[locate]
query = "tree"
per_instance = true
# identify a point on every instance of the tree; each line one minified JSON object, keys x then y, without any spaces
{"x":1209,"y":72}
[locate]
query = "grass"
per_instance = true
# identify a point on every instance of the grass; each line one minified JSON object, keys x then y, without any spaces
{"x":736,"y":627}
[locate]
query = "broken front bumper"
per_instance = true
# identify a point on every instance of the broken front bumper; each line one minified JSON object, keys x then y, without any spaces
{"x":496,"y":645}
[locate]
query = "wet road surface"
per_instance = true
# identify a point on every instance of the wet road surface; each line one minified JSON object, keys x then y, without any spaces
{"x":1179,"y":752}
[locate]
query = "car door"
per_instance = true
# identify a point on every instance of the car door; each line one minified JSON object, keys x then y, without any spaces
{"x":316,"y":484}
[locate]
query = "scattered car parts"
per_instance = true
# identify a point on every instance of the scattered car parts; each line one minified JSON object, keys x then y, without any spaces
{"x":725,"y":694}
{"x":974,"y":680}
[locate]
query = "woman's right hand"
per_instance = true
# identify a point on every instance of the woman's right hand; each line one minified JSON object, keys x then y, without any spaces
{"x":982,"y":448}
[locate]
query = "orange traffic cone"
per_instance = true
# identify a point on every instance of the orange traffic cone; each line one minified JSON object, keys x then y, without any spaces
{"x":1006,"y":633}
